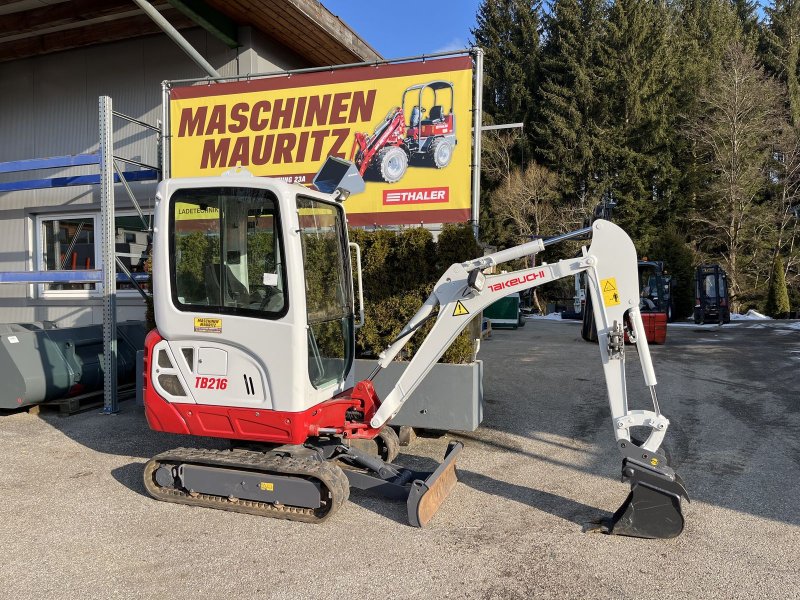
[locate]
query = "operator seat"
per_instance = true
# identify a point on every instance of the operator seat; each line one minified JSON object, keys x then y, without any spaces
{"x":435,"y":116}
{"x":213,"y":290}
{"x":237,"y":291}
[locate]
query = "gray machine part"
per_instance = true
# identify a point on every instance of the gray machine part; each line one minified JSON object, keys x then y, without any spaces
{"x":39,"y":363}
{"x":423,"y":492}
{"x":450,"y":398}
{"x":259,"y":487}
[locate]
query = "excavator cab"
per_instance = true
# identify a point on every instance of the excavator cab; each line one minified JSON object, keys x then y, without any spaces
{"x":253,"y":290}
{"x":255,"y":342}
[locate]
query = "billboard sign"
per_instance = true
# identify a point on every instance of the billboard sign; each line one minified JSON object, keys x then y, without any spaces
{"x":407,"y":126}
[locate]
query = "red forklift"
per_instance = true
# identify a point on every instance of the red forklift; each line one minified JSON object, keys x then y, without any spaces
{"x":654,"y":304}
{"x":422,"y":140}
{"x":655,"y":299}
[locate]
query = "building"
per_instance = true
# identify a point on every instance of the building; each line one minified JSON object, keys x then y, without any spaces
{"x":57,"y":58}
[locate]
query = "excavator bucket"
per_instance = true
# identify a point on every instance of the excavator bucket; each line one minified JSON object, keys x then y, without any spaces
{"x":425,"y":497}
{"x":653,"y":507}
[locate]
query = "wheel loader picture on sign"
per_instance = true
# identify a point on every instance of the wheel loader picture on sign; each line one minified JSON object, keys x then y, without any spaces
{"x":256,"y":316}
{"x":424,"y":138}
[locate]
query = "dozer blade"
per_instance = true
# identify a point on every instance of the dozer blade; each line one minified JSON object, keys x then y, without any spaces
{"x":653,"y":507}
{"x":425,"y":497}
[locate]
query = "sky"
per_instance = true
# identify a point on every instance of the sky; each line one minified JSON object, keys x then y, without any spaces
{"x":409,"y":28}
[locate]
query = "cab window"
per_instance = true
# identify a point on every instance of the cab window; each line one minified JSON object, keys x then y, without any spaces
{"x":226,"y":252}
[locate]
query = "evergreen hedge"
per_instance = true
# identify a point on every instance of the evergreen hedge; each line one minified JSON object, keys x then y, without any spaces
{"x":777,"y":304}
{"x":400,"y":269}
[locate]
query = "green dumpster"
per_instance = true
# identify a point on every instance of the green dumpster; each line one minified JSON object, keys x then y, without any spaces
{"x":505,"y":313}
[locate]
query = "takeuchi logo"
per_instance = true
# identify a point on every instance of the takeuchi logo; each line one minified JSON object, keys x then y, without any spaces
{"x":515,"y":281}
{"x":417,"y":196}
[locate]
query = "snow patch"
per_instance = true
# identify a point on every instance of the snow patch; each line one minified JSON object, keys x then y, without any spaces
{"x":551,"y":317}
{"x":750,"y":315}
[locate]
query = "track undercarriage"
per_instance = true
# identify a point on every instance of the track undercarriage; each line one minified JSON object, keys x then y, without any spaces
{"x":307,"y":483}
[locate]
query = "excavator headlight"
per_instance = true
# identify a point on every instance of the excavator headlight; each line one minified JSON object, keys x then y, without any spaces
{"x":476,"y":280}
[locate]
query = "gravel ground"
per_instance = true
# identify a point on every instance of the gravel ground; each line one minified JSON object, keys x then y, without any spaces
{"x":76,"y":522}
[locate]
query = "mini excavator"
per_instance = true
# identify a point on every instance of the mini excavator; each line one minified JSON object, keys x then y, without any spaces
{"x":256,"y":318}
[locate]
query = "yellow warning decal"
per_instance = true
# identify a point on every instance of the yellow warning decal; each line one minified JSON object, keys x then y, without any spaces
{"x":460,"y":310}
{"x":206,"y":325}
{"x":610,"y":292}
{"x":266,"y":486}
{"x":654,"y":462}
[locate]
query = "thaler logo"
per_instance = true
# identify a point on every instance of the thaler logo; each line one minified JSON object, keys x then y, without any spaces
{"x":516,"y":281}
{"x":417,"y":196}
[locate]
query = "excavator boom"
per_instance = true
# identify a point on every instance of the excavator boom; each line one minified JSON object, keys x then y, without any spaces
{"x":653,"y":508}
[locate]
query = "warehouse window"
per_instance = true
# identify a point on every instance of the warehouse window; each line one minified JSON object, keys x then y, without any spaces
{"x":133,"y":245}
{"x":68,"y":243}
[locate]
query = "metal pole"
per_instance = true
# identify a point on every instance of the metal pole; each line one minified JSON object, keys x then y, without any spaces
{"x":503,"y":126}
{"x":165,"y":136}
{"x":108,"y":241}
{"x":290,"y":72}
{"x":177,"y":37}
{"x":477,"y":116}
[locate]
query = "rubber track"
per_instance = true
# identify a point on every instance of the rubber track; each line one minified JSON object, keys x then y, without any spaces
{"x":329,"y":475}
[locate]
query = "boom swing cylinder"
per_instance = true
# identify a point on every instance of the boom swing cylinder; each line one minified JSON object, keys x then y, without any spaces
{"x":653,"y":507}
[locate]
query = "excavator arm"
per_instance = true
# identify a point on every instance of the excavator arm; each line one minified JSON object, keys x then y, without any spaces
{"x":653,"y":508}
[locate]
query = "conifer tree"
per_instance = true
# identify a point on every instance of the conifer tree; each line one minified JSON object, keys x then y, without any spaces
{"x":566,"y":129}
{"x":747,"y":14}
{"x":508,"y":32}
{"x":777,"y":295}
{"x":782,"y":49}
{"x":705,"y":29}
{"x":638,"y":81}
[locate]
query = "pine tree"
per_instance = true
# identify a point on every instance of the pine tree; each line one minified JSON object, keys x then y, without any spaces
{"x":705,"y":29}
{"x":747,"y":14}
{"x":638,"y":81}
{"x":782,"y":49}
{"x":508,"y":32}
{"x":566,"y":128}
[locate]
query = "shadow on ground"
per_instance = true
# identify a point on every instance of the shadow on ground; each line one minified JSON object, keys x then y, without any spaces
{"x":558,"y":506}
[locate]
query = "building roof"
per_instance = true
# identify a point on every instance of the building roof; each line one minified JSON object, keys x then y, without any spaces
{"x":306,"y":27}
